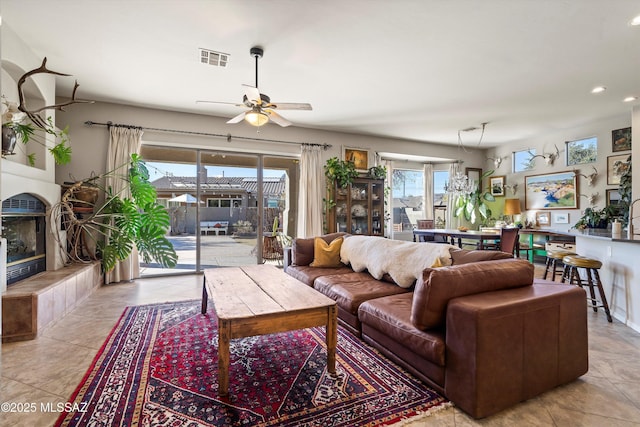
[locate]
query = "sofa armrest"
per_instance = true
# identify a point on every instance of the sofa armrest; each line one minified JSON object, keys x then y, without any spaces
{"x":507,"y":346}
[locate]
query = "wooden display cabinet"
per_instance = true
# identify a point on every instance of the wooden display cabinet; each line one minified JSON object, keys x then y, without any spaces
{"x":359,"y":208}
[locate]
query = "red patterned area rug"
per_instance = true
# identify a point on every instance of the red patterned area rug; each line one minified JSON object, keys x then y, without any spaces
{"x":159,"y":368}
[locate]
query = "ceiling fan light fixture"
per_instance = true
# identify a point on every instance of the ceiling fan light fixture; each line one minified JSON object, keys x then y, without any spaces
{"x":256,"y":118}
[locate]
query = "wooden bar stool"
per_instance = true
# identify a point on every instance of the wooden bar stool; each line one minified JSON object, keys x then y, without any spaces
{"x":572,"y":265}
{"x":554,"y":260}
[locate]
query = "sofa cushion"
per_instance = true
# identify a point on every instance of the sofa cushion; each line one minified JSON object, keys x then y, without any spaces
{"x":437,"y":286}
{"x":464,"y":256}
{"x":352,"y":289}
{"x":307,"y":274}
{"x":302,"y":249}
{"x":391,"y":316}
{"x":326,"y":254}
{"x":403,"y":261}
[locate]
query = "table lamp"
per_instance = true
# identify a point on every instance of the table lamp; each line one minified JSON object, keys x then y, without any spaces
{"x":512,"y":207}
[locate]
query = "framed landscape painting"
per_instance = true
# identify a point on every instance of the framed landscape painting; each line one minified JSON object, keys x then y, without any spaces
{"x":551,"y":191}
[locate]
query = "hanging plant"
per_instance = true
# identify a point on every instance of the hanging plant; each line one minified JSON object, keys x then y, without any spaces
{"x":340,"y":171}
{"x":378,"y":172}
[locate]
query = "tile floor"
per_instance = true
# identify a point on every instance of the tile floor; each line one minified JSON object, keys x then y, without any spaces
{"x":47,"y":369}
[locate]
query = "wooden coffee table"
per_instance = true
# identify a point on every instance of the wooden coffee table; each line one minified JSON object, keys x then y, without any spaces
{"x":262,"y":299}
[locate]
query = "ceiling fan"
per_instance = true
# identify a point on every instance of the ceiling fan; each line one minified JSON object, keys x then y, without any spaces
{"x":261,"y":109}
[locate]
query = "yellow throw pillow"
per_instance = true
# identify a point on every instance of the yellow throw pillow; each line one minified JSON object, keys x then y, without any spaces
{"x":326,"y":254}
{"x":437,"y":263}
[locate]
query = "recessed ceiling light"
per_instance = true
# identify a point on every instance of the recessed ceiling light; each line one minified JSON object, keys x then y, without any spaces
{"x":598,"y":89}
{"x":635,"y":21}
{"x":630,"y":99}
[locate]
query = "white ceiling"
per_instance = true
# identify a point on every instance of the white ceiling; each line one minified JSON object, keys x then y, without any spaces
{"x":414,"y":69}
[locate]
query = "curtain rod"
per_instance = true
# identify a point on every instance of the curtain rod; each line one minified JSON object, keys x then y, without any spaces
{"x":228,"y":136}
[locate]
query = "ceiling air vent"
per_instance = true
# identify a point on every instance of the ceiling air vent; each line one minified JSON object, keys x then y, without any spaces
{"x":211,"y":57}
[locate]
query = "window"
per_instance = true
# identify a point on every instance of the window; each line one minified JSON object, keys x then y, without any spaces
{"x":408,"y":198}
{"x":582,"y":151}
{"x":440,"y":179}
{"x":523,"y":160}
{"x":224,"y":203}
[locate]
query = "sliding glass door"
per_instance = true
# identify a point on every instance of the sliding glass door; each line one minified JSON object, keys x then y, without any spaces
{"x":221,"y":204}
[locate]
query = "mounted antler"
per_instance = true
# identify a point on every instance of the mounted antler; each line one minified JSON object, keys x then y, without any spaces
{"x":590,"y":178}
{"x":533,"y":156}
{"x":549,"y":158}
{"x":33,"y":114}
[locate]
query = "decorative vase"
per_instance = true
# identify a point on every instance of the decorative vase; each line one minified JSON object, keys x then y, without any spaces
{"x":9,"y":139}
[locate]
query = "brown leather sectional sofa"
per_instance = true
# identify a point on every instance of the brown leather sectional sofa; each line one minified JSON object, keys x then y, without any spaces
{"x":482,"y":331}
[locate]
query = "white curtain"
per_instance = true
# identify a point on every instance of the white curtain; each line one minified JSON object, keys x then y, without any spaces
{"x":452,"y":222}
{"x":428,"y":191}
{"x":312,"y":185}
{"x":123,"y":142}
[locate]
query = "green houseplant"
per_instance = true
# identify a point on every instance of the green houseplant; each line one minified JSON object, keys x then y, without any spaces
{"x":340,"y":171}
{"x":472,"y":206}
{"x":596,"y":218}
{"x":625,"y":192}
{"x":120,"y":223}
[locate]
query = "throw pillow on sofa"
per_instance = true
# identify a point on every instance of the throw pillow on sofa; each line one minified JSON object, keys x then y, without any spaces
{"x":302,"y":250}
{"x":326,"y":254}
{"x":438,"y":286}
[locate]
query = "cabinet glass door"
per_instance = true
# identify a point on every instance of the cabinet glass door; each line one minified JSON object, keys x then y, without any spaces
{"x":342,"y":210}
{"x":377,"y":208}
{"x":359,"y":208}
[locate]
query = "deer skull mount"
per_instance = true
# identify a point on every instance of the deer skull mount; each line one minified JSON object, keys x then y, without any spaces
{"x":549,"y":158}
{"x":552,"y":157}
{"x":513,"y":188}
{"x":34,"y":115}
{"x":497,"y":161}
{"x":591,"y":178}
{"x":591,"y":198}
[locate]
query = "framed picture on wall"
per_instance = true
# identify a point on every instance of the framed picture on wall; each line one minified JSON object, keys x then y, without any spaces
{"x":358,"y":156}
{"x":621,"y":139}
{"x":561,"y":218}
{"x":616,"y":166}
{"x":551,"y":191}
{"x":543,"y":218}
{"x":474,"y":174}
{"x":496,"y":185}
{"x":614,"y":199}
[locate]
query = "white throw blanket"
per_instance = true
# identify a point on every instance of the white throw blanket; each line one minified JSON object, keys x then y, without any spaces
{"x":404,"y":261}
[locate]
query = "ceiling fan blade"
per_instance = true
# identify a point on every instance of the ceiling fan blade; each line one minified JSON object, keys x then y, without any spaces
{"x":277,"y":118}
{"x":252,"y":94}
{"x":220,"y":102}
{"x":290,"y":106}
{"x":238,"y":118}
